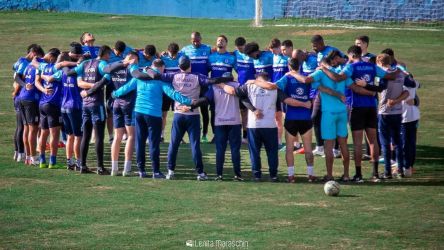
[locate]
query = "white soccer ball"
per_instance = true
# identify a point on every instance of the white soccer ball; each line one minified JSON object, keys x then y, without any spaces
{"x":332,"y":188}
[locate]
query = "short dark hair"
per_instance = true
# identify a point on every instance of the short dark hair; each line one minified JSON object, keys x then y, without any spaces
{"x":150,"y":50}
{"x":64,"y":56}
{"x":365,"y":39}
{"x":30,"y":47}
{"x":263,"y":75}
{"x":224,"y":37}
{"x":250,"y":48}
{"x":173,"y":48}
{"x":38,"y":50}
{"x":330,"y":56}
{"x":134,"y":53}
{"x":196,"y":33}
{"x":76,"y":48}
{"x":158,"y":63}
{"x":104,"y":50}
{"x":287,"y":43}
{"x":240,"y":41}
{"x":356,"y":51}
{"x":275,"y":43}
{"x":317,"y":39}
{"x":389,"y":52}
{"x":294,"y":64}
{"x":120,"y":46}
{"x":54,"y":52}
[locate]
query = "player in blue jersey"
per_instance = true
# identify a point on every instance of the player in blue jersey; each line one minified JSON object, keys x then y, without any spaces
{"x":363,"y":42}
{"x":262,"y":60}
{"x":363,"y":115}
{"x":29,"y":98}
{"x":245,"y":71}
{"x":94,"y":115}
{"x":287,"y":48}
{"x":322,"y":50}
{"x":49,"y":106}
{"x":89,"y":50}
{"x":147,"y":56}
{"x":171,"y":61}
{"x":148,"y":115}
{"x":198,"y":54}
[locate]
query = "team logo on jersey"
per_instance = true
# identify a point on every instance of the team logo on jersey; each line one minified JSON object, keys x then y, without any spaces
{"x":366,"y":77}
{"x":300,"y":91}
{"x":262,"y":91}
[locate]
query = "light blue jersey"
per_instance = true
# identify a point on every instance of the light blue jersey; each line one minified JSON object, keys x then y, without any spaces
{"x":264,"y":63}
{"x":280,"y":67}
{"x":171,"y":64}
{"x":144,"y":62}
{"x":221,"y":63}
{"x":92,"y":51}
{"x":244,"y":67}
{"x":116,"y":58}
{"x":325,"y":52}
{"x":149,"y":95}
{"x":198,"y":57}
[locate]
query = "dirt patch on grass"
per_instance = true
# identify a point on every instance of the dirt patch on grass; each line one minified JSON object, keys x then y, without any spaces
{"x":8,"y":182}
{"x":102,"y":188}
{"x":304,"y":204}
{"x":317,"y":32}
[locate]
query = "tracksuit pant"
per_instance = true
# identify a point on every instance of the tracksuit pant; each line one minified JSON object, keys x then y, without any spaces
{"x":267,"y":137}
{"x":150,"y":127}
{"x":390,"y":131}
{"x":231,"y":134}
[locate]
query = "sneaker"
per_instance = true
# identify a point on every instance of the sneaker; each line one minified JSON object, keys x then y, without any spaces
{"x":102,"y":171}
{"x":204,"y":139}
{"x":219,"y":178}
{"x":114,"y":172}
{"x":202,"y":177}
{"x":84,"y":170}
{"x":375,"y":178}
{"x":110,"y":140}
{"x":291,"y":179}
{"x":159,"y":175}
{"x":399,"y":174}
{"x":357,"y":179}
{"x":20,"y":157}
{"x":393,"y":163}
{"x":381,"y":160}
{"x":386,"y":176}
{"x":244,"y":141}
{"x":408,"y":172}
{"x":366,"y":157}
{"x":162,"y":140}
{"x":282,"y":148}
{"x":238,"y":178}
{"x":126,"y":173}
{"x":170,"y":175}
{"x":55,"y":166}
{"x":318,"y":152}
{"x":312,"y":178}
{"x":76,"y":167}
{"x":344,"y":179}
{"x":16,"y":154}
{"x":142,"y":175}
{"x":27,"y":161}
{"x":300,"y":151}
{"x":336,"y":153}
{"x":328,"y":178}
{"x":43,"y":165}
{"x":274,"y":179}
{"x":34,"y":163}
{"x":257,"y":179}
{"x":70,"y":166}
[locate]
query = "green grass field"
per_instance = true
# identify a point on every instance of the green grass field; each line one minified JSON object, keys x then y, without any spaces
{"x":60,"y":209}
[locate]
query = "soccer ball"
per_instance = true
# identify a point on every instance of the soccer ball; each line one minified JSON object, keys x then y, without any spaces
{"x":332,"y":188}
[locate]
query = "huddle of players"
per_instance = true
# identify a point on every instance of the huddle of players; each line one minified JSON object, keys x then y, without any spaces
{"x":67,"y":88}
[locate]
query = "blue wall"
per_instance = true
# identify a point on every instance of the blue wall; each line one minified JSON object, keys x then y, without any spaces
{"x":380,"y":10}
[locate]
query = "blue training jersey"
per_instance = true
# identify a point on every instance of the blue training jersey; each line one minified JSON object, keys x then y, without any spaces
{"x":29,"y":74}
{"x":244,"y":67}
{"x":92,"y":51}
{"x":198,"y":57}
{"x":362,"y":70}
{"x":143,"y":61}
{"x":309,"y":66}
{"x":71,"y":98}
{"x":298,"y":91}
{"x":327,"y":49}
{"x":115,"y":58}
{"x":55,"y":98}
{"x":264,"y":63}
{"x":171,"y":64}
{"x":19,"y":68}
{"x":280,"y":67}
{"x":221,"y":63}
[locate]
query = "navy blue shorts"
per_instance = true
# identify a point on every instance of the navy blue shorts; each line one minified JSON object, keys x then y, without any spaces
{"x":93,"y":114}
{"x":50,"y":116}
{"x":123,"y":115}
{"x":167,"y":103}
{"x":72,"y":121}
{"x":29,"y":111}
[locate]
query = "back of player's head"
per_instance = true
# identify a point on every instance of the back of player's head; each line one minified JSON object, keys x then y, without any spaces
{"x":158,"y":63}
{"x":317,"y":39}
{"x":196,"y":34}
{"x":150,"y":50}
{"x":287,"y":43}
{"x":389,"y":52}
{"x":240,"y":41}
{"x":37,"y":50}
{"x":331,"y":56}
{"x":224,"y":37}
{"x":104,"y":50}
{"x":263,"y":75}
{"x":364,"y":39}
{"x":355,"y":51}
{"x":384,"y":59}
{"x":173,"y":48}
{"x":250,"y":48}
{"x":30,"y":47}
{"x":64,"y":56}
{"x":75,"y":48}
{"x":184,"y":63}
{"x":54,"y":52}
{"x":120,"y":46}
{"x":293,"y":63}
{"x":133,"y":53}
{"x":274,"y":43}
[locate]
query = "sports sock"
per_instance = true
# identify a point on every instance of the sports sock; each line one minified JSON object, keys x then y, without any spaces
{"x":310,"y":170}
{"x":42,"y":158}
{"x":127,"y":166}
{"x":114,"y":165}
{"x":290,"y":170}
{"x":358,"y":170}
{"x":53,"y":159}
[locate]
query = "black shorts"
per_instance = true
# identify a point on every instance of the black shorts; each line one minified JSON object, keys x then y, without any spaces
{"x":167,"y":103}
{"x":109,"y":106}
{"x":29,"y":111}
{"x":363,"y":117}
{"x":295,"y":127}
{"x":50,"y":116}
